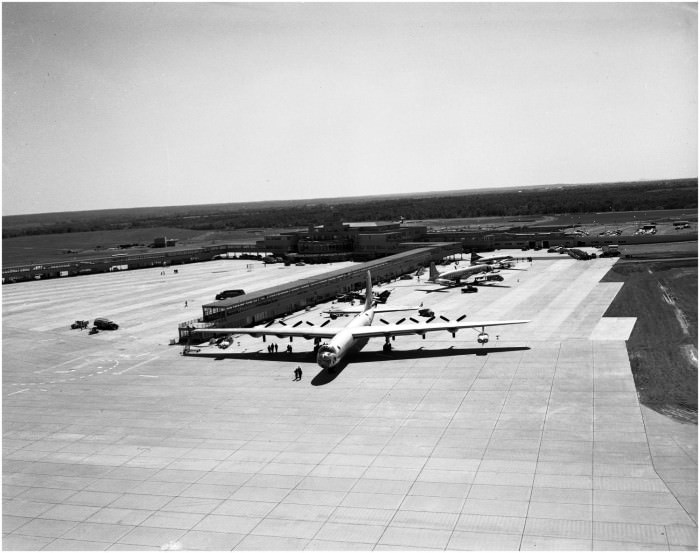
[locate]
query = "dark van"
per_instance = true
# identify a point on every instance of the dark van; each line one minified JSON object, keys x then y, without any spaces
{"x":103,"y":323}
{"x":229,"y":294}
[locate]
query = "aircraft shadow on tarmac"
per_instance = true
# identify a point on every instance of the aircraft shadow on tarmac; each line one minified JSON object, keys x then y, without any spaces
{"x":448,"y":290}
{"x":326,"y":376}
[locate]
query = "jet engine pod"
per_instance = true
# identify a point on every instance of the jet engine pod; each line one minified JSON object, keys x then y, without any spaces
{"x":483,"y":338}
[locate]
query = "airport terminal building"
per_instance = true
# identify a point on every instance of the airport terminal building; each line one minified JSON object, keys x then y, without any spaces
{"x":338,"y":241}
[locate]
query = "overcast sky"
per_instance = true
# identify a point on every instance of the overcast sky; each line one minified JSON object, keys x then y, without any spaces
{"x":134,"y":104}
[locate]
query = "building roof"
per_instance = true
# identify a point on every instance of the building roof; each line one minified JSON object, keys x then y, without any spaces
{"x":311,"y":281}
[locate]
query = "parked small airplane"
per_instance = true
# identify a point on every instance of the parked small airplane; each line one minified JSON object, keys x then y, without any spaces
{"x":490,"y":259}
{"x":453,"y":277}
{"x":358,"y":331}
{"x":352,"y":296}
{"x":482,"y":279}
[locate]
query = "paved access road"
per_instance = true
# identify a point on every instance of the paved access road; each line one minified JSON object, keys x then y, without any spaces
{"x":116,"y":441}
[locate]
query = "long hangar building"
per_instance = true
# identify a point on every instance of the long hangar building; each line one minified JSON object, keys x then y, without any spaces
{"x":278,"y":301}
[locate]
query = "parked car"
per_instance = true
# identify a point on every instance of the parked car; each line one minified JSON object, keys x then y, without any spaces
{"x":469,"y":289}
{"x":103,"y":323}
{"x":229,"y":294}
{"x":426,"y":312}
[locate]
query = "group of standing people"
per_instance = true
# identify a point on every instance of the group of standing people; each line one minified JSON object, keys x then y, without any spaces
{"x":272,"y":348}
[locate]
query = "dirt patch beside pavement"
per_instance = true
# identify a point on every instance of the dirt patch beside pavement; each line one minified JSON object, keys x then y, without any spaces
{"x":663,"y":345}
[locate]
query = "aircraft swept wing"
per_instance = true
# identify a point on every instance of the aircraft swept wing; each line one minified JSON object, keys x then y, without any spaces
{"x":422,"y":328}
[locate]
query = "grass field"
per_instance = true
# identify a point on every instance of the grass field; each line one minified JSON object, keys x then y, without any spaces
{"x":620,"y":217}
{"x":661,"y":250}
{"x":54,"y":247}
{"x":663,"y":346}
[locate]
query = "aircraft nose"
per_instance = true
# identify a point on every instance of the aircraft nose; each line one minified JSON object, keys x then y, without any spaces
{"x":325,"y":360}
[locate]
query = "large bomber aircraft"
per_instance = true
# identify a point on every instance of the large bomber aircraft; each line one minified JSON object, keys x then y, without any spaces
{"x":358,"y":331}
{"x":454,"y":277}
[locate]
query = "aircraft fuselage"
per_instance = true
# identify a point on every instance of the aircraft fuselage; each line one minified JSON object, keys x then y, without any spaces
{"x":453,"y":277}
{"x":330,"y":354}
{"x":493,"y":259}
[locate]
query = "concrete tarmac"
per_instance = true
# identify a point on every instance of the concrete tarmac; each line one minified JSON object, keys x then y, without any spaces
{"x":536,"y":441}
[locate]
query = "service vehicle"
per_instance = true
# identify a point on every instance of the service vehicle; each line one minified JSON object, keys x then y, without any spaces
{"x":103,"y":323}
{"x":229,"y":294}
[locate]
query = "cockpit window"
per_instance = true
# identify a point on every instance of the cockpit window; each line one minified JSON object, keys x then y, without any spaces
{"x":325,"y":348}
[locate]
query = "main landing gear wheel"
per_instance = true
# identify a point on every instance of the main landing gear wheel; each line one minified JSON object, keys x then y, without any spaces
{"x":387,"y":347}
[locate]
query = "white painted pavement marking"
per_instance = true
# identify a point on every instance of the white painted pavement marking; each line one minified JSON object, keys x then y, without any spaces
{"x":138,"y":365}
{"x":58,"y":365}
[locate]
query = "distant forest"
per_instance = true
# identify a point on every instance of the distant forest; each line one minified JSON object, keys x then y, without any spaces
{"x":541,"y":200}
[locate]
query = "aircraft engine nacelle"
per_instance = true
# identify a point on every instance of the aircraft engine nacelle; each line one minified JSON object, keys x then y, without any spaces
{"x":483,"y":338}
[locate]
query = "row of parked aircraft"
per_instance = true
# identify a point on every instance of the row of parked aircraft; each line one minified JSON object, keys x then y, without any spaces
{"x":474,"y":273}
{"x":355,"y":335}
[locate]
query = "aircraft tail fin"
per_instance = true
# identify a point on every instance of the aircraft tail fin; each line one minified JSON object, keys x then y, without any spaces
{"x":433,"y":272}
{"x":368,"y":293}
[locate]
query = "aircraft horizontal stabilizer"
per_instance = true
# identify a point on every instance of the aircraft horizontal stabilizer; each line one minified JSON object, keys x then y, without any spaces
{"x":383,"y":309}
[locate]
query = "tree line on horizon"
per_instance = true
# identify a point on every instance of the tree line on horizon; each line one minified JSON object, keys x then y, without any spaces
{"x":668,"y":194}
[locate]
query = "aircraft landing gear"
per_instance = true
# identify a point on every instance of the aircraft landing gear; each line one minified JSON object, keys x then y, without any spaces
{"x":387,"y":346}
